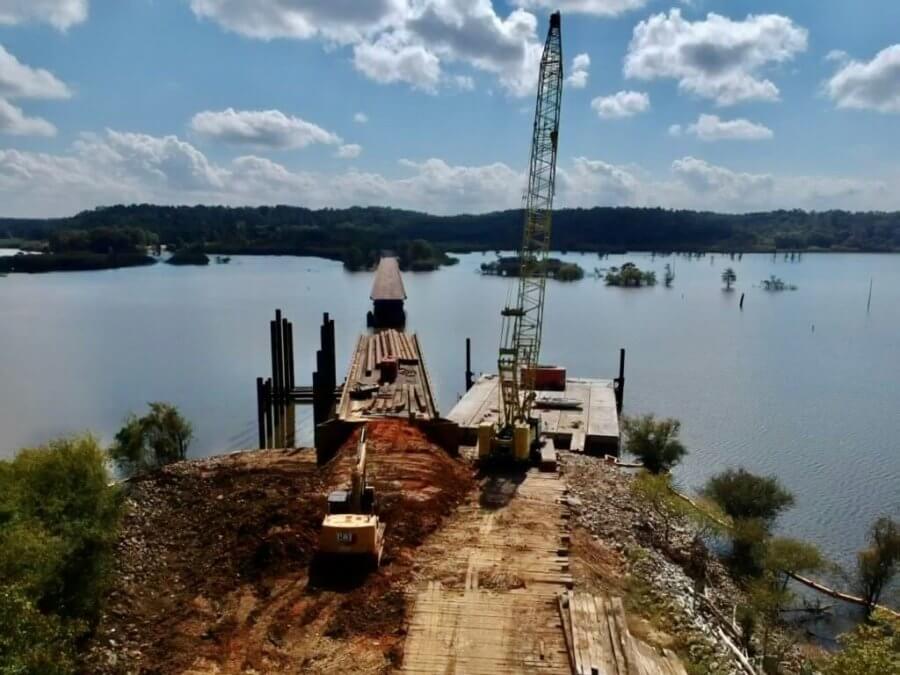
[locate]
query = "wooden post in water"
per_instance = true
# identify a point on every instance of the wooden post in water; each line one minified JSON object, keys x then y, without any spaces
{"x":277,"y":355}
{"x":869,"y":301}
{"x":468,"y":364}
{"x":619,"y":382}
{"x":289,"y":355}
{"x":270,"y":427}
{"x":261,"y":411}
{"x":742,"y":301}
{"x":317,"y":398}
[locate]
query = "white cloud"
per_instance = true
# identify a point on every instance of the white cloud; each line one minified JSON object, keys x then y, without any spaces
{"x":399,"y":40}
{"x":390,"y":59}
{"x":723,"y":184}
{"x":595,"y":183}
{"x":463,"y":82}
{"x":869,"y":86}
{"x":349,"y":151}
{"x":13,"y":121}
{"x":20,"y":81}
{"x":712,"y":128}
{"x":837,"y":55}
{"x":116,"y":167}
{"x":62,"y":14}
{"x":595,"y":7}
{"x":261,"y":129}
{"x":471,"y":31}
{"x":578,"y":77}
{"x":343,"y":21}
{"x":716,"y":58}
{"x":621,"y":104}
{"x":360,"y":118}
{"x":675,"y":130}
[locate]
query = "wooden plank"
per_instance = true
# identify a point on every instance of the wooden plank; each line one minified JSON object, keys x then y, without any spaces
{"x":619,"y":633}
{"x":565,"y":618}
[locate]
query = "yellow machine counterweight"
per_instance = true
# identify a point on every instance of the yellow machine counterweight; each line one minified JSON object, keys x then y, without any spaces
{"x":351,"y":530}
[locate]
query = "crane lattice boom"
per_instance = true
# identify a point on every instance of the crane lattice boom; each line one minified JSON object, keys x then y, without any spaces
{"x":520,"y":341}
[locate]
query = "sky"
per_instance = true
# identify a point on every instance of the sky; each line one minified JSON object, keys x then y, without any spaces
{"x":726,"y":105}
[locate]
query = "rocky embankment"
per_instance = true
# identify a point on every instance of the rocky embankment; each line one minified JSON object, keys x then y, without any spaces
{"x":621,"y":549}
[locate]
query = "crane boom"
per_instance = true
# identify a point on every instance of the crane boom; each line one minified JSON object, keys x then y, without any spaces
{"x":520,"y":340}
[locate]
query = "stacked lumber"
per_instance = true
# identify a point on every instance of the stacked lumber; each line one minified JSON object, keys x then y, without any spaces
{"x":600,"y":643}
{"x":398,"y":398}
{"x":389,"y":345}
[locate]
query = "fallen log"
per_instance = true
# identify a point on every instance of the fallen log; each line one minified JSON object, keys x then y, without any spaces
{"x":838,"y":595}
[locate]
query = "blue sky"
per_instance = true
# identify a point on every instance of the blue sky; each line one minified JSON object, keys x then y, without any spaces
{"x":427,"y":104}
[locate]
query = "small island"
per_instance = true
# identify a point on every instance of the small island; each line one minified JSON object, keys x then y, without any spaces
{"x":508,"y":266}
{"x":189,"y":256}
{"x":80,"y":250}
{"x":631,"y":276}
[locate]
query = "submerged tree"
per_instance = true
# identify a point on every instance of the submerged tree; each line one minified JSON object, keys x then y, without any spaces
{"x":158,"y":438}
{"x":876,"y":565}
{"x":785,"y":557}
{"x":728,"y":278}
{"x":655,"y":442}
{"x":630,"y":275}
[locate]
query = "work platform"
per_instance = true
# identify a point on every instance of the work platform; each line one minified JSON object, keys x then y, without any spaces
{"x":583,"y":418}
{"x":388,"y":295}
{"x":387,"y":378}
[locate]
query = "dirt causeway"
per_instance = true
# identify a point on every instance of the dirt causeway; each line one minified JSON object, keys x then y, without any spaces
{"x":212,"y":571}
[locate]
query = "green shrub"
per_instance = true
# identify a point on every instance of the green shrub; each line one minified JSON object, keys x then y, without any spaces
{"x":31,"y":643}
{"x":654,"y":442}
{"x":59,"y":518}
{"x":160,"y":437}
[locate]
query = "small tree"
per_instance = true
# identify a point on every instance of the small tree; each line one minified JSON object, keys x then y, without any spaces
{"x":161,"y":437}
{"x":743,"y":495}
{"x":728,"y":278}
{"x":753,"y":503}
{"x":654,"y":490}
{"x":654,"y":442}
{"x":876,"y":565}
{"x":785,"y":556}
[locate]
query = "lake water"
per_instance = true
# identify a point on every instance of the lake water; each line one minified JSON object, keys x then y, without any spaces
{"x":803,"y":384}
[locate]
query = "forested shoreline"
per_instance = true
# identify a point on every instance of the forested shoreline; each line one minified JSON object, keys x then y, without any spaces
{"x":357,"y":235}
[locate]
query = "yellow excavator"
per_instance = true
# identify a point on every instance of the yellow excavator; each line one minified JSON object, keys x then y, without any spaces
{"x":351,"y":531}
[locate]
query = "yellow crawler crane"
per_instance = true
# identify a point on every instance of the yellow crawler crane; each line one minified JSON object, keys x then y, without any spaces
{"x":523,"y":318}
{"x":351,"y":531}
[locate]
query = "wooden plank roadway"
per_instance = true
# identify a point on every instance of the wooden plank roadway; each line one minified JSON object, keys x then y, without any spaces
{"x":600,"y":642}
{"x":486,"y":602}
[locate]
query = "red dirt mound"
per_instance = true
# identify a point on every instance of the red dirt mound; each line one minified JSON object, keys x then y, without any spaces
{"x":416,"y":482}
{"x":212,"y":566}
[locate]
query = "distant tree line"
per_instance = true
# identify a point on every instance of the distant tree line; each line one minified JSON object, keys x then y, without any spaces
{"x":356,"y":233}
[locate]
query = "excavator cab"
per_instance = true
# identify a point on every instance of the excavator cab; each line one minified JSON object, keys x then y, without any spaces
{"x":351,"y":531}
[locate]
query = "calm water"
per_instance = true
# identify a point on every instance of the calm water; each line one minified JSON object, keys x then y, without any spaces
{"x":803,"y":384}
